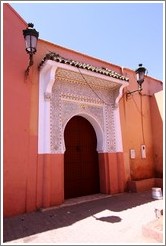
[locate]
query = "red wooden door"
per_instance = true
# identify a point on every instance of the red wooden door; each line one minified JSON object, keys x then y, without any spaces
{"x":81,"y":170}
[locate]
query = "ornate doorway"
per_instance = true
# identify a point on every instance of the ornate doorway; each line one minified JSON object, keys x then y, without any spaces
{"x":78,"y":104}
{"x":81,"y":168}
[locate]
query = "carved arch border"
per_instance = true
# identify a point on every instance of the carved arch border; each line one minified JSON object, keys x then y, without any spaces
{"x":96,"y":126}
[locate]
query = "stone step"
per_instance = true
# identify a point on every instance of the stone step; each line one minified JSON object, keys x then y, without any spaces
{"x":154,"y":229}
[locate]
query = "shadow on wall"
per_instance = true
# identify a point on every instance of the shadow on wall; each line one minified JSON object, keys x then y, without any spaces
{"x":157,"y":132}
{"x":144,"y":184}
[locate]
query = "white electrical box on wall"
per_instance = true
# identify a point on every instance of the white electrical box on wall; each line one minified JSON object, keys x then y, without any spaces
{"x":143,"y":151}
{"x":132,"y":153}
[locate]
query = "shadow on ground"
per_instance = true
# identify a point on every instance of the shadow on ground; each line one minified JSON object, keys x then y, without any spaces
{"x":111,"y":219}
{"x":36,"y":222}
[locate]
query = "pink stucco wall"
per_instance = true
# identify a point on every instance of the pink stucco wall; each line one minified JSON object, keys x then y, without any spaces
{"x":32,"y":181}
{"x":16,"y":107}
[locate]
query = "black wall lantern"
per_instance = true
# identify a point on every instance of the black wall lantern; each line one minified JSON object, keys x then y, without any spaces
{"x":140,"y":75}
{"x":31,"y":38}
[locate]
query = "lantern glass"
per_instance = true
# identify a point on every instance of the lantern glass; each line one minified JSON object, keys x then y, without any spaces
{"x":30,"y":43}
{"x":140,"y":74}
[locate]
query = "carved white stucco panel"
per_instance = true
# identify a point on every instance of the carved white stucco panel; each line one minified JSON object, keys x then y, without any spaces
{"x":69,"y":99}
{"x":64,"y":93}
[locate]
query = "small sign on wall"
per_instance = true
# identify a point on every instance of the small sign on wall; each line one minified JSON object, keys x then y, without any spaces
{"x":143,"y":151}
{"x":132,"y":153}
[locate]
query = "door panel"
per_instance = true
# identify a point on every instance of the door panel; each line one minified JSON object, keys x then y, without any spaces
{"x":81,"y":171}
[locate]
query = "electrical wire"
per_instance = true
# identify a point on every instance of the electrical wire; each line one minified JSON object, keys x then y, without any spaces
{"x":142,"y":123}
{"x":140,"y":110}
{"x":108,"y":104}
{"x":93,"y":89}
{"x":137,"y":107}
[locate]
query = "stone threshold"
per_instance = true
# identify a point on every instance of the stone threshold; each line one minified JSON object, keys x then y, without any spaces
{"x":78,"y":200}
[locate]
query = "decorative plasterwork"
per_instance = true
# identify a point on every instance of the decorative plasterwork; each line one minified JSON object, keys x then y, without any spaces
{"x":80,"y":78}
{"x":65,"y":93}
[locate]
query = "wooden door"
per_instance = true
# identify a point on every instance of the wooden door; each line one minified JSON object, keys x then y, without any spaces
{"x":81,"y":170}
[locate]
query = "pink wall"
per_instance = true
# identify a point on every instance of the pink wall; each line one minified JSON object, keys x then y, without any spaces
{"x":16,"y":106}
{"x":50,"y":180}
{"x":140,"y":120}
{"x":32,"y":181}
{"x":112,"y":173}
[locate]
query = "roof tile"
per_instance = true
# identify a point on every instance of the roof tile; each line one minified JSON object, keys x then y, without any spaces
{"x":105,"y":71}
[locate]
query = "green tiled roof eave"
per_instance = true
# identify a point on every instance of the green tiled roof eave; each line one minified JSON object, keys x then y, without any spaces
{"x":105,"y":71}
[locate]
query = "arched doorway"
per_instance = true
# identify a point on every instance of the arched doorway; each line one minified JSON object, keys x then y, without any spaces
{"x":81,"y":167}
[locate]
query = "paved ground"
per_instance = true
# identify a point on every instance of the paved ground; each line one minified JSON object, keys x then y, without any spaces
{"x":119,"y":219}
